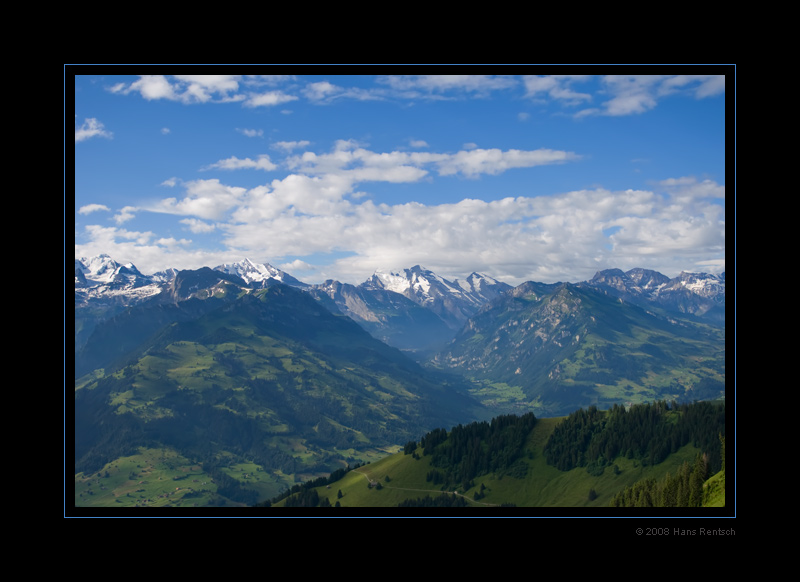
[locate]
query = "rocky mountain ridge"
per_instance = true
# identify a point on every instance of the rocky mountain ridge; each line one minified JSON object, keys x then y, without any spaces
{"x":694,"y":294}
{"x":415,"y":309}
{"x":567,"y":345}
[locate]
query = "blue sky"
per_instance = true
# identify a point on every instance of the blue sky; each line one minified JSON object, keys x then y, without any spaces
{"x":522,"y":177}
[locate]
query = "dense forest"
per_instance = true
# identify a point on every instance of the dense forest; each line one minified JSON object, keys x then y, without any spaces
{"x":647,"y":432}
{"x":476,"y":449}
{"x":685,"y":489}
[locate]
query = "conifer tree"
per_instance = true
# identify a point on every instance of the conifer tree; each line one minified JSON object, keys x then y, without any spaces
{"x":669,"y":491}
{"x":696,"y":481}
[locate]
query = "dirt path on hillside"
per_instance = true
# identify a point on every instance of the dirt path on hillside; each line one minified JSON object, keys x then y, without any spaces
{"x":439,"y":491}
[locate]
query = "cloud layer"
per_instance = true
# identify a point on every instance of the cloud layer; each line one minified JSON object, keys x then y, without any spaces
{"x":619,"y":94}
{"x":312,"y":204}
{"x":314,"y":209}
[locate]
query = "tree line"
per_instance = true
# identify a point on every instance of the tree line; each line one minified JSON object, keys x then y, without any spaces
{"x":647,"y":432}
{"x":684,"y":489}
{"x":475,"y":449}
{"x":304,"y":495}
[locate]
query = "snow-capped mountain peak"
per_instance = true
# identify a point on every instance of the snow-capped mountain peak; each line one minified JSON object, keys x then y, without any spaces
{"x":416,"y":283}
{"x":389,"y":281}
{"x":103,"y":270}
{"x":478,"y":283}
{"x":701,"y":294}
{"x":258,"y":274}
{"x":250,"y":271}
{"x":703,"y":284}
{"x":647,"y":279}
{"x":453,"y":301}
{"x":99,"y":269}
{"x":102,"y":279}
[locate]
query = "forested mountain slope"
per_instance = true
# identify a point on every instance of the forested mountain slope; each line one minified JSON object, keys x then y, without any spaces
{"x":591,"y":459}
{"x":266,"y":376}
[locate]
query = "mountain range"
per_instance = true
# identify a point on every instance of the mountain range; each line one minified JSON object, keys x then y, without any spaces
{"x":244,"y":363}
{"x":558,"y":347}
{"x":415,"y":309}
{"x":225,"y":373}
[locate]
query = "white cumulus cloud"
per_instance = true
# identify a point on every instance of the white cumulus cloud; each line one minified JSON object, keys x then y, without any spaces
{"x":90,"y":128}
{"x":233,"y":163}
{"x":89,"y":208}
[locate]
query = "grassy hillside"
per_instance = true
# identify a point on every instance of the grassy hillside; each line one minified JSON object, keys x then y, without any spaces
{"x":714,"y":491}
{"x":530,"y":482}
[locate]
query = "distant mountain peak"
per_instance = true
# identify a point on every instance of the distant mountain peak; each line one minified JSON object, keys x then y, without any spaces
{"x":647,"y":278}
{"x":389,"y":281}
{"x":103,"y":270}
{"x":258,"y":274}
{"x":700,"y":294}
{"x":452,"y":301}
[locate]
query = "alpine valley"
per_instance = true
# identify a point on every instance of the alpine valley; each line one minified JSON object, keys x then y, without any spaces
{"x":232,"y":384}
